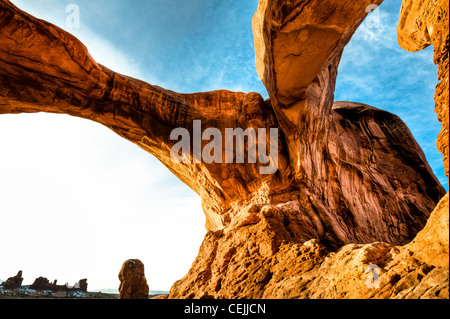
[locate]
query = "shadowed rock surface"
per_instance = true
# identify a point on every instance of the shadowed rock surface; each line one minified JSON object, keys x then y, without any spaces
{"x":348,"y":173}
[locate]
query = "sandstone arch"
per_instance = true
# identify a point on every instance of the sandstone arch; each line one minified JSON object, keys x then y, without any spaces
{"x":348,"y":173}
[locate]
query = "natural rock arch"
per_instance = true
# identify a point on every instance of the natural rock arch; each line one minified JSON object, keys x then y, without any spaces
{"x":347,"y":172}
{"x":63,"y":78}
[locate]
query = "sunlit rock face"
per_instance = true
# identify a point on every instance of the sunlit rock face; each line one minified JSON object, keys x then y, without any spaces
{"x":347,"y":174}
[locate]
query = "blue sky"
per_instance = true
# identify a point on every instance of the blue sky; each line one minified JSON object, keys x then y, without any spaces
{"x":105,"y":199}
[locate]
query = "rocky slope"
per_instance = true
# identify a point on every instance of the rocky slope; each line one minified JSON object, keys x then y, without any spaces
{"x":263,"y":257}
{"x":348,"y":174}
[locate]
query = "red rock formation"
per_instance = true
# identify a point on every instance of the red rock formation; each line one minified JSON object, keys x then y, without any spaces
{"x":13,"y":282}
{"x":133,"y":284}
{"x":298,"y":44}
{"x":424,"y":23}
{"x":42,"y":283}
{"x":347,"y":173}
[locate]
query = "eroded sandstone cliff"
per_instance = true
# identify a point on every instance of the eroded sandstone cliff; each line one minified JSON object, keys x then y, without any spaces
{"x":348,"y":174}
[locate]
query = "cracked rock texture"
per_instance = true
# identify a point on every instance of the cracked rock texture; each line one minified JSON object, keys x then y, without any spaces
{"x":352,"y":186}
